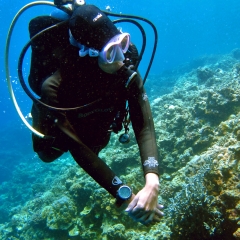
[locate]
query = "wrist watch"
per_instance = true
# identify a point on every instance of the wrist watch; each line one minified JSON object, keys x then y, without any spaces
{"x":124,"y":193}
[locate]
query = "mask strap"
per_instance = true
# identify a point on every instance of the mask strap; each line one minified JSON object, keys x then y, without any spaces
{"x":83,"y":50}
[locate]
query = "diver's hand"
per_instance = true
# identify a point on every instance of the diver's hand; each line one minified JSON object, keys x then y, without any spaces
{"x":144,"y":207}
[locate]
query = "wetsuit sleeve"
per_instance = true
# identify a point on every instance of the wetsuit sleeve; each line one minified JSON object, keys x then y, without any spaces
{"x":143,"y":126}
{"x":95,"y":167}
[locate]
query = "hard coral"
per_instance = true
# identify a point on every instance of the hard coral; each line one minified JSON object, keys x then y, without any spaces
{"x":203,"y":74}
{"x":60,"y":214}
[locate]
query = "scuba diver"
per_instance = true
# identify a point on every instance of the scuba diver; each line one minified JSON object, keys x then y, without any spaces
{"x":82,"y":69}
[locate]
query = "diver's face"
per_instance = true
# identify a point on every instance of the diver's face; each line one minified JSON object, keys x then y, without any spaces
{"x":110,"y":67}
{"x":111,"y":57}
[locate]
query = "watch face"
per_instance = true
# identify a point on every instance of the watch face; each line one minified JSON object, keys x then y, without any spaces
{"x":124,"y":192}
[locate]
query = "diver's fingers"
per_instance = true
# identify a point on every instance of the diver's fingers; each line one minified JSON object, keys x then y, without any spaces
{"x":132,"y":205}
{"x":149,"y":219}
{"x":139,"y":214}
{"x":158,"y":212}
{"x":156,"y":218}
{"x":160,"y":206}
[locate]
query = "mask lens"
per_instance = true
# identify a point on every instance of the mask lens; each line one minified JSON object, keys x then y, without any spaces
{"x":125,"y":43}
{"x":110,"y":54}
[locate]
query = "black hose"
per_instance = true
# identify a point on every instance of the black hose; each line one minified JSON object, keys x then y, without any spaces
{"x":155,"y":33}
{"x":143,"y":35}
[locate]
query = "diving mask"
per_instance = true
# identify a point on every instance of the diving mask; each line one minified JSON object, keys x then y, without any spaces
{"x":112,"y":52}
{"x":115,"y":49}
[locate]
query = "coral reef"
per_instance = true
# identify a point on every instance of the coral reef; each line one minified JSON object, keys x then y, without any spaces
{"x":197,"y":120}
{"x":203,"y":74}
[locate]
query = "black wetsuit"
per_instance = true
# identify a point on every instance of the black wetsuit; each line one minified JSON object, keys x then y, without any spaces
{"x":65,"y":80}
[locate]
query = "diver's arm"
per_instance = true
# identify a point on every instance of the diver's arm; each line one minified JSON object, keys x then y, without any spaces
{"x":87,"y":159}
{"x":144,"y":206}
{"x":142,"y":122}
{"x":95,"y":167}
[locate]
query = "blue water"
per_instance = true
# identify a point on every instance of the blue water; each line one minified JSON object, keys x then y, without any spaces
{"x":186,"y":30}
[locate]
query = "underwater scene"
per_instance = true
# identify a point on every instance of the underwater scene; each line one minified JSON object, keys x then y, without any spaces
{"x":194,"y":92}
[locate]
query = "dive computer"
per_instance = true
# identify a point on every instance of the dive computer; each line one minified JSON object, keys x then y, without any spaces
{"x":124,"y":193}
